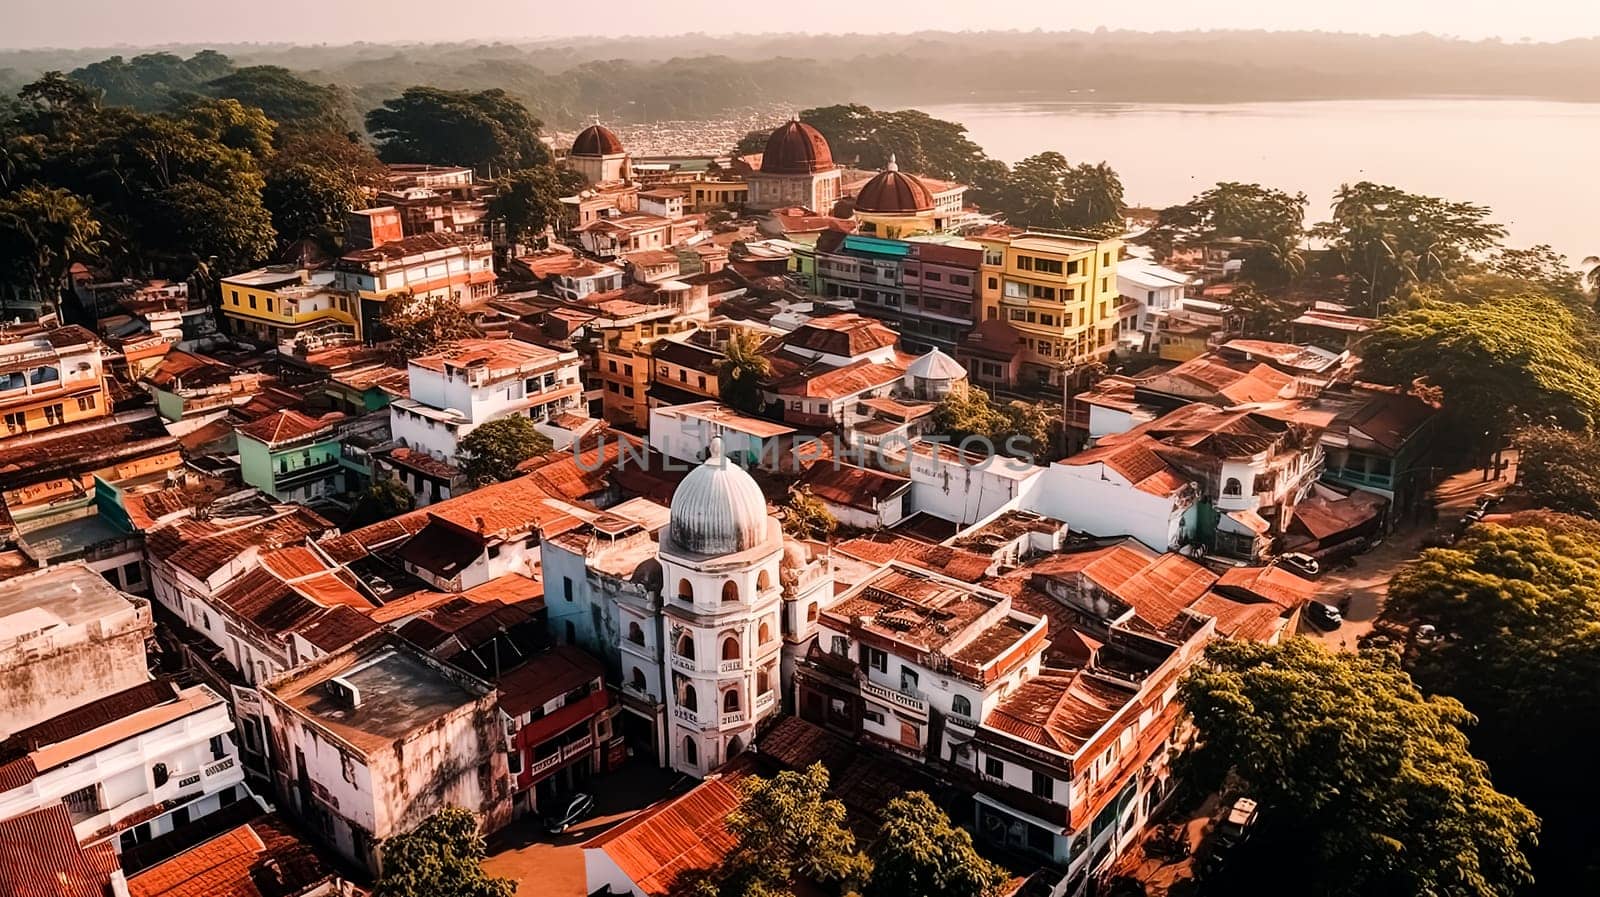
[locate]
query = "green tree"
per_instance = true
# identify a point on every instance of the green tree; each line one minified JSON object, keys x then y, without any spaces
{"x":1517,"y":612}
{"x":742,"y":371}
{"x":1366,"y":785}
{"x":1560,"y":469}
{"x":788,"y":829}
{"x":1385,"y":239}
{"x":297,"y":105}
{"x":43,"y":230}
{"x":968,"y":411}
{"x":919,"y":851}
{"x":487,"y":129}
{"x":492,"y":451}
{"x":920,"y":143}
{"x":1262,"y":315}
{"x":152,"y":81}
{"x":1498,"y":365}
{"x":1046,"y":190}
{"x":1268,"y":224}
{"x":230,"y":123}
{"x":423,"y":325}
{"x":527,"y":201}
{"x":806,"y":517}
{"x":441,"y":857}
{"x":314,"y":182}
{"x":383,"y":500}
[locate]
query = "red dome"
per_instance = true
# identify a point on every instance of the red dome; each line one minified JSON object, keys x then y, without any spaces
{"x":796,"y":148}
{"x":596,"y":140}
{"x":893,"y":192}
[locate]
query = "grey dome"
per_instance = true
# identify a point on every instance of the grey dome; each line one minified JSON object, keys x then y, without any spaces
{"x":718,"y":508}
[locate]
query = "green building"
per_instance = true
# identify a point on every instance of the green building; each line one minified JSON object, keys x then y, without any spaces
{"x":292,"y":456}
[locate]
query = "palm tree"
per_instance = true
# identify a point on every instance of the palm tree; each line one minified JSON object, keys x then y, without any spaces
{"x":743,"y":370}
{"x":43,"y":230}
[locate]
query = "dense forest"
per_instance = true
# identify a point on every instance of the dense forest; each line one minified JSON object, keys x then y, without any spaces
{"x":698,"y":76}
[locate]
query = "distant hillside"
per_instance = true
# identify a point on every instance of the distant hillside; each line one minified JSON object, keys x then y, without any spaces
{"x":697,"y":76}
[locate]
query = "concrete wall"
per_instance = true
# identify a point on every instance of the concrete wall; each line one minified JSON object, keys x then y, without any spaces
{"x":62,"y":670}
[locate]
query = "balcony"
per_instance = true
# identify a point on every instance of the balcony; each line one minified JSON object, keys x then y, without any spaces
{"x":686,"y":664}
{"x":730,"y":666}
{"x":541,"y":767}
{"x":958,"y":721}
{"x":909,"y":700}
{"x":684,"y":714}
{"x":733,"y":718}
{"x":764,"y":701}
{"x":581,"y":746}
{"x":295,"y":476}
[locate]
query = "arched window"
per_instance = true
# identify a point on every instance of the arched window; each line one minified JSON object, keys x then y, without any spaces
{"x":960,"y":705}
{"x":638,"y":680}
{"x":685,"y":591}
{"x":635,"y":633}
{"x":686,"y":646}
{"x":811,"y":613}
{"x":1232,"y":487}
{"x":730,"y":591}
{"x":730,"y":701}
{"x":763,"y":580}
{"x":691,"y":698}
{"x":730,"y":648}
{"x":763,"y":682}
{"x":691,"y":752}
{"x":765,"y":632}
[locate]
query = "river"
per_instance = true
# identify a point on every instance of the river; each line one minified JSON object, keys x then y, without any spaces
{"x":1535,"y":163}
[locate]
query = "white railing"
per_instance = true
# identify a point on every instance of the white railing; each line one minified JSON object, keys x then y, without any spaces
{"x":545,"y":765}
{"x":582,"y":745}
{"x":730,"y":666}
{"x":683,"y":663}
{"x":685,"y":714}
{"x":910,"y":701}
{"x":765,"y":700}
{"x":962,"y":722}
{"x":733,"y":719}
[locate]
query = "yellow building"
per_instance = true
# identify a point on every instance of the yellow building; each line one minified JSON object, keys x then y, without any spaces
{"x":1059,"y":291}
{"x":281,"y":303}
{"x":50,"y":377}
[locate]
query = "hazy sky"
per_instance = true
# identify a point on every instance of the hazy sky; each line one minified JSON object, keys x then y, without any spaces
{"x":79,"y":23}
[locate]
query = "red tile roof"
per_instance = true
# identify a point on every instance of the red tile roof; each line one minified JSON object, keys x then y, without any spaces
{"x":1059,"y":710}
{"x":1157,"y":587}
{"x":230,"y":864}
{"x":686,"y":834}
{"x":845,"y":335}
{"x":1134,"y":460}
{"x":288,"y":425}
{"x":964,"y":565}
{"x":40,"y":857}
{"x":1271,"y":584}
{"x":851,"y":486}
{"x":545,"y":677}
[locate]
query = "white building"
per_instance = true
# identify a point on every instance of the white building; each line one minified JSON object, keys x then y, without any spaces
{"x":1156,"y":290}
{"x":454,"y":392}
{"x":696,"y":626}
{"x":374,"y":739}
{"x":1121,"y":489}
{"x":133,"y":765}
{"x":684,"y":432}
{"x":958,"y":486}
{"x":67,"y":637}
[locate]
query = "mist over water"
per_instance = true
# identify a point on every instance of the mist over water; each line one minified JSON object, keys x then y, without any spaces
{"x":1535,"y":163}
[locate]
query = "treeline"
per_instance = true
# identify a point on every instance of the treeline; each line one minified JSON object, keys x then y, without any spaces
{"x":696,"y":76}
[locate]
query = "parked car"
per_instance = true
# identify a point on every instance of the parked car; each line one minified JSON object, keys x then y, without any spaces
{"x":1300,"y":563}
{"x":578,"y":809}
{"x":1325,"y":617}
{"x":1489,"y":499}
{"x":1235,"y":826}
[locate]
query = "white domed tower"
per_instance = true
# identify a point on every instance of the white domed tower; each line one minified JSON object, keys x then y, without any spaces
{"x":720,"y":598}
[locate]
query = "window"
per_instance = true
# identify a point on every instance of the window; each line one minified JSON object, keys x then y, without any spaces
{"x":1233,"y":487}
{"x":514,"y":761}
{"x":764,"y":634}
{"x":702,"y":381}
{"x":691,"y":753}
{"x":54,"y":414}
{"x":961,"y":705}
{"x":994,"y":283}
{"x":730,"y":648}
{"x":811,"y":613}
{"x":85,"y":403}
{"x":1043,"y":786}
{"x":686,"y":646}
{"x":908,"y":679}
{"x":131,"y":574}
{"x":638,"y":680}
{"x":763,"y":682}
{"x":730,"y":701}
{"x":873,"y":716}
{"x":691,"y":698}
{"x":840,"y":646}
{"x":635,"y":633}
{"x":235,"y":297}
{"x":83,"y":803}
{"x":566,"y":587}
{"x":1047,"y":266}
{"x":874,"y":658}
{"x":1024,"y":263}
{"x":16,"y":421}
{"x":993,"y":767}
{"x":218,"y":747}
{"x":730,"y":591}
{"x":934,"y":276}
{"x":158,"y":774}
{"x":611,"y":366}
{"x":685,"y":591}
{"x":763,"y":580}
{"x":572,"y":632}
{"x":269,"y":303}
{"x":252,"y":300}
